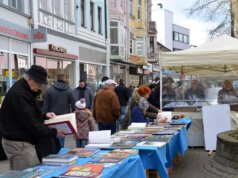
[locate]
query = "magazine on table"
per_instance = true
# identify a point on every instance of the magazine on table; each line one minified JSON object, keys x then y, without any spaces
{"x":66,"y":122}
{"x":159,"y":138}
{"x":125,"y":151}
{"x":89,"y":167}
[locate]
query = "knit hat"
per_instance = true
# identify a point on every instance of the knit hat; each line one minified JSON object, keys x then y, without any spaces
{"x":81,"y":104}
{"x":143,"y":104}
{"x":38,"y":74}
{"x":144,"y":90}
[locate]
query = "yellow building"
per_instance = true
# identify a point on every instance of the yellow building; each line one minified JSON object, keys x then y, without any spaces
{"x":138,"y":34}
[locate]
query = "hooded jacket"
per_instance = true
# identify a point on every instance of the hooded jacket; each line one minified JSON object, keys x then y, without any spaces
{"x":59,"y":99}
{"x":85,"y":123}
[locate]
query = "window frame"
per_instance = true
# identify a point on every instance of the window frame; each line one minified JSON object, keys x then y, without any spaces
{"x":82,"y":13}
{"x":99,"y":20}
{"x":92,"y":12}
{"x":139,"y":14}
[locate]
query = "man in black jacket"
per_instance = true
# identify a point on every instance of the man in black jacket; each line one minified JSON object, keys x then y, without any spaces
{"x":123,"y":94}
{"x":22,"y":123}
{"x":59,"y":99}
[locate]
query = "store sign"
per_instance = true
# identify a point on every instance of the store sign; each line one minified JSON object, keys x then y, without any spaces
{"x":57,"y":49}
{"x":21,"y":33}
{"x":38,"y":35}
{"x":14,"y":31}
{"x":148,"y":67}
{"x":146,"y":72}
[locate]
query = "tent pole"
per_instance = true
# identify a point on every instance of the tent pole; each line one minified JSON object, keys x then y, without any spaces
{"x":161,"y":82}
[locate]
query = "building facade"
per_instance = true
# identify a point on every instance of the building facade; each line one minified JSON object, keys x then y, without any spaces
{"x":15,"y":42}
{"x":138,"y":23}
{"x":172,"y":36}
{"x":92,"y":22}
{"x":119,"y":39}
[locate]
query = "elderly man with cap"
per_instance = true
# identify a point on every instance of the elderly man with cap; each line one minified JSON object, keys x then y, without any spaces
{"x":106,"y":108}
{"x":22,"y":123}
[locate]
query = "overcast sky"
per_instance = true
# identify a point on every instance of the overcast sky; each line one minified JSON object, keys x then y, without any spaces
{"x":198,"y":27}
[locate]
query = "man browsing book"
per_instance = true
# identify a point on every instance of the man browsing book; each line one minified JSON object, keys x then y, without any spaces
{"x":25,"y":138}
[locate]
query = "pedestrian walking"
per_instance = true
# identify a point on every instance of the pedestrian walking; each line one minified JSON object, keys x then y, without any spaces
{"x":83,"y":91}
{"x":106,"y":108}
{"x":59,"y":99}
{"x":123,"y":94}
{"x":85,"y":123}
{"x":25,"y":138}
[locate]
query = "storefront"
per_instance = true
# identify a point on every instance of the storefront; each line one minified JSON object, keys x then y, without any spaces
{"x":55,"y":60}
{"x":14,"y":54}
{"x":92,"y":64}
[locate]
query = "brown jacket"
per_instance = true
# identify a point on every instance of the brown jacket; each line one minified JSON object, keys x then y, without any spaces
{"x":106,"y":107}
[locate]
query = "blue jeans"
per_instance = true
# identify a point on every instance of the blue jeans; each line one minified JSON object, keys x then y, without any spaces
{"x":80,"y":143}
{"x":61,"y":140}
{"x":107,"y":126}
{"x":122,"y":114}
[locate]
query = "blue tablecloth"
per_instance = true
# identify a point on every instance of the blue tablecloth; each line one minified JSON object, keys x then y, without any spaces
{"x":185,"y":120}
{"x":160,"y":158}
{"x":154,"y":158}
{"x":130,"y":167}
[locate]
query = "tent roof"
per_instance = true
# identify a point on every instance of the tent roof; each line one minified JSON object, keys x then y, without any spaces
{"x":220,"y":51}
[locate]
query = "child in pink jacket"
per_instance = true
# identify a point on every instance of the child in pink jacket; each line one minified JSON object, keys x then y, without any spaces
{"x":85,"y":123}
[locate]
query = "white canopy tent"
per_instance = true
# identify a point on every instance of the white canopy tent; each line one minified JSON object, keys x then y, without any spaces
{"x":219,"y":56}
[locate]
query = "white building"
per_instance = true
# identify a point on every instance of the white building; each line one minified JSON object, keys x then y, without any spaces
{"x":172,"y":36}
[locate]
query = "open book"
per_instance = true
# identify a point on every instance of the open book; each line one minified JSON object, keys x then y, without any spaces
{"x":65,"y":122}
{"x":99,"y":139}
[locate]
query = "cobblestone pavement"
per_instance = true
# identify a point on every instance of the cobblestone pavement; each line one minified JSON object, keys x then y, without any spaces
{"x":190,"y":166}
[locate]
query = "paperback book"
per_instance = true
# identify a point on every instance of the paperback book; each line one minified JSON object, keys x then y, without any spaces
{"x":60,"y":158}
{"x":83,"y":152}
{"x":124,"y":144}
{"x":90,"y":167}
{"x":158,"y":138}
{"x":80,"y":174}
{"x":151,"y":144}
{"x":124,"y":151}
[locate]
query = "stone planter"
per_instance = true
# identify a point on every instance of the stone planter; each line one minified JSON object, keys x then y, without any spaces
{"x":227,"y":150}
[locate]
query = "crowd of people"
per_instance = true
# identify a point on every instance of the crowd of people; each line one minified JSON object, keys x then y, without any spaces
{"x":25,"y":138}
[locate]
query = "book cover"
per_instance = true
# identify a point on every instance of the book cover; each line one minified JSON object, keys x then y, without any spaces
{"x":158,"y":138}
{"x":151,"y":144}
{"x":61,"y":158}
{"x":89,"y":167}
{"x":124,"y":144}
{"x":125,"y":151}
{"x":166,"y":132}
{"x":83,"y":152}
{"x":51,"y":166}
{"x":19,"y":174}
{"x":65,"y":122}
{"x":80,"y":174}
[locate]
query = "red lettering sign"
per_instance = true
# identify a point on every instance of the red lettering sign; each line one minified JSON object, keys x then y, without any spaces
{"x":14,"y":32}
{"x":39,"y":36}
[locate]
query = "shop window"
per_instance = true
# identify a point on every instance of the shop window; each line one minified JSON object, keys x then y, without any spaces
{"x":4,"y":79}
{"x":19,"y":65}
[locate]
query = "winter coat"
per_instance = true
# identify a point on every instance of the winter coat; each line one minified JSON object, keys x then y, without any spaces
{"x":88,"y":96}
{"x":150,"y":113}
{"x":123,"y":94}
{"x":227,"y":96}
{"x":22,"y":120}
{"x":106,"y":108}
{"x":59,"y":99}
{"x":154,"y":97}
{"x":85,"y":123}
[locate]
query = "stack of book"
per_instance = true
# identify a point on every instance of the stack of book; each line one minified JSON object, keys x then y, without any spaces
{"x":83,"y":152}
{"x":88,"y":170}
{"x":124,"y":144}
{"x":60,"y":158}
{"x":46,"y":168}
